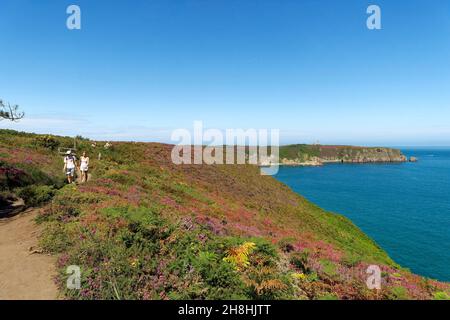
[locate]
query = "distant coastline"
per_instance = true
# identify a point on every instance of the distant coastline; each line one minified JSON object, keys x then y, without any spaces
{"x":318,"y":155}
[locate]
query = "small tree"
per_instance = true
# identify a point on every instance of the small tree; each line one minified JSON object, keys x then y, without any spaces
{"x":10,"y":112}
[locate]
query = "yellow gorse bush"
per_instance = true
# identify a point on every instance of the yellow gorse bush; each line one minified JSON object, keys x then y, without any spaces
{"x":134,"y":262}
{"x":238,"y":256}
{"x":299,"y":276}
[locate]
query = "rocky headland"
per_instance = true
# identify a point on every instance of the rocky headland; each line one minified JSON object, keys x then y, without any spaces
{"x":317,"y":155}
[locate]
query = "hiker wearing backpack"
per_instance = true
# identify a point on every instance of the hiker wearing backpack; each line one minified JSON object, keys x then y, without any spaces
{"x":70,"y":165}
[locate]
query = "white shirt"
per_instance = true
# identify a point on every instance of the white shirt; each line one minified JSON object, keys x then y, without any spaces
{"x":70,"y":162}
{"x":84,"y":163}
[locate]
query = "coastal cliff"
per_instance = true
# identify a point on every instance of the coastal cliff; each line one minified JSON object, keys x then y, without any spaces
{"x":316,"y":155}
{"x":157,"y":230}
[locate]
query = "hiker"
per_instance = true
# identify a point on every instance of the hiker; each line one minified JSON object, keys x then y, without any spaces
{"x":84,"y":167}
{"x":70,"y":164}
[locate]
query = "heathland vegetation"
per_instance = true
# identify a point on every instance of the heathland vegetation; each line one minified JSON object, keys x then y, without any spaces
{"x":144,"y":228}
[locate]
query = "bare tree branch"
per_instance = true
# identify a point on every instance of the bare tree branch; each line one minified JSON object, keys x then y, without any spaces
{"x":10,"y":112}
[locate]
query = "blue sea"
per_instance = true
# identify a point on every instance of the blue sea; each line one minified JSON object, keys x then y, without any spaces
{"x":404,"y":207}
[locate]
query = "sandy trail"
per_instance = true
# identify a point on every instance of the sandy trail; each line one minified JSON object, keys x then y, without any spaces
{"x":23,"y":274}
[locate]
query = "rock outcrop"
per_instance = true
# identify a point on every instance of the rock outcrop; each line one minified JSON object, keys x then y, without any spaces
{"x":316,"y":155}
{"x":313,"y":162}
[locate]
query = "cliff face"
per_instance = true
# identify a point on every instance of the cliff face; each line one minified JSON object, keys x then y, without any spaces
{"x":319,"y":154}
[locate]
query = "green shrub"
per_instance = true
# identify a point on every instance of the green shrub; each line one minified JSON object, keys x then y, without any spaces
{"x":121,"y":178}
{"x":140,"y":217}
{"x":286,"y":244}
{"x":12,"y":177}
{"x":133,"y":253}
{"x":56,"y":238}
{"x":36,"y":195}
{"x":441,"y":296}
{"x":328,"y":296}
{"x":69,"y":195}
{"x":46,"y":141}
{"x":328,"y":268}
{"x":220,"y":277}
{"x":23,"y":174}
{"x":300,"y":261}
{"x":351,"y":260}
{"x":398,"y":293}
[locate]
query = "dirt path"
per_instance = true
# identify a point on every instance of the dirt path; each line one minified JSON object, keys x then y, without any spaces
{"x":24,"y":274}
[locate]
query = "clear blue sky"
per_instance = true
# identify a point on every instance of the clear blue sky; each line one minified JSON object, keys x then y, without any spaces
{"x":311,"y":68}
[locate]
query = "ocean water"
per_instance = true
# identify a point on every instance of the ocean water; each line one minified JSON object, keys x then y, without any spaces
{"x":404,"y":207}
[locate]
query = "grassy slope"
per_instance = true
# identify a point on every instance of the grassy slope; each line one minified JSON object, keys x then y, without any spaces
{"x":144,"y":228}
